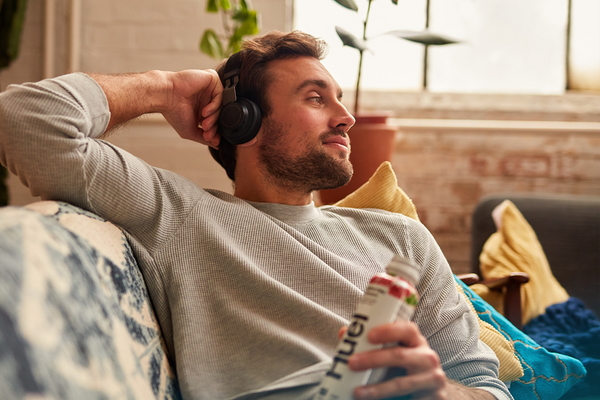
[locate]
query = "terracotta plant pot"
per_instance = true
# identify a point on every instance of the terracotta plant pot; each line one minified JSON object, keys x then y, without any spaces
{"x":372,"y":140}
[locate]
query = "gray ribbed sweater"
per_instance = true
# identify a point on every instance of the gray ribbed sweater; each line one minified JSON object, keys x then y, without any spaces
{"x":249,"y":296}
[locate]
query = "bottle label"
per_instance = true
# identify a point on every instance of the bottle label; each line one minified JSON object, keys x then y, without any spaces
{"x":386,"y":299}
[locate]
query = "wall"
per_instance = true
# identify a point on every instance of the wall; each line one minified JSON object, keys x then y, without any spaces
{"x":443,"y":161}
{"x":446,"y":167}
{"x":134,"y":35}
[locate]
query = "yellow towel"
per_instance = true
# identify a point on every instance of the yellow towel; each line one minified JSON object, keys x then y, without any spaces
{"x":381,"y":191}
{"x":516,"y":248}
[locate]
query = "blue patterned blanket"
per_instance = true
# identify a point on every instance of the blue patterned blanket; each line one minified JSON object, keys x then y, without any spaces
{"x":75,"y":317}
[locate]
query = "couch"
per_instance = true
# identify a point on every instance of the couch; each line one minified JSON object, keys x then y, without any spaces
{"x":76,"y":321}
{"x":555,"y":239}
{"x":568,"y":228}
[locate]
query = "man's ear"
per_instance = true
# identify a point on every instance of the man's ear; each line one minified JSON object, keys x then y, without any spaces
{"x":256,"y":138}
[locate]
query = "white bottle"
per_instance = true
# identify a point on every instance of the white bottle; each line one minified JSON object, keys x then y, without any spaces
{"x":390,"y":296}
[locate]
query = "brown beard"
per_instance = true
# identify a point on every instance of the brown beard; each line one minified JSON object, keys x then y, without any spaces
{"x":315,"y":170}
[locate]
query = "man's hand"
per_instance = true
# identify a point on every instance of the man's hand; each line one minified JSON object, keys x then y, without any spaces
{"x":424,"y":378}
{"x":193,"y":101}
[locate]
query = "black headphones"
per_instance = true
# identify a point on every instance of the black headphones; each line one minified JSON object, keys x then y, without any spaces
{"x":240,"y":118}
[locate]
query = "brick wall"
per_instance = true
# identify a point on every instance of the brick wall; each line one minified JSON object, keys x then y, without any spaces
{"x":447,"y":170}
{"x":128,"y":36}
{"x":446,"y":165}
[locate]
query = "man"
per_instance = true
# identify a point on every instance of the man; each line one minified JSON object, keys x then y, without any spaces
{"x":250,"y":290}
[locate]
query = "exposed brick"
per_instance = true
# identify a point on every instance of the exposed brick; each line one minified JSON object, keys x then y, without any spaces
{"x":148,"y":11}
{"x":581,"y":145}
{"x":580,"y":168}
{"x":525,"y":166}
{"x":98,"y":11}
{"x":456,"y":249}
{"x":444,"y":220}
{"x":109,"y":37}
{"x":153,"y":37}
{"x":435,"y":165}
{"x":467,"y":192}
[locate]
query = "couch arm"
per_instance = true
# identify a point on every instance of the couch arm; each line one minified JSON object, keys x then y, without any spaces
{"x":512,"y":296}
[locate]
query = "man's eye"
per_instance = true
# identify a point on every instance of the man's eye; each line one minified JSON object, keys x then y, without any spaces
{"x":317,"y":99}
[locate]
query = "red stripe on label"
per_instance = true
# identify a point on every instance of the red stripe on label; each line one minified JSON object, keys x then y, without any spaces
{"x":399,"y":290}
{"x":381,"y":280}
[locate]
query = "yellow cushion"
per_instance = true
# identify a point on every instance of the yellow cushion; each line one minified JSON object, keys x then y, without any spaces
{"x":382,"y":192}
{"x":510,"y":366}
{"x":516,"y":248}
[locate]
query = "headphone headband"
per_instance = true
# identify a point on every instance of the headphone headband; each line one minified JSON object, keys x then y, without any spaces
{"x":231,"y":77}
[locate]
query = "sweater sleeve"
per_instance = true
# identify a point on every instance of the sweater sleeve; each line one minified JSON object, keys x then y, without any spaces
{"x":49,"y":138}
{"x":451,"y":329}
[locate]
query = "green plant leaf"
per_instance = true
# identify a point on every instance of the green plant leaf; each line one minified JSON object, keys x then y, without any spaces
{"x":243,"y":5}
{"x":212,"y":6}
{"x":425,"y":37}
{"x":248,"y":23}
{"x":225,"y":4}
{"x":241,"y":15}
{"x":211,"y":45}
{"x":349,"y":4}
{"x":233,"y":48}
{"x":350,"y":40}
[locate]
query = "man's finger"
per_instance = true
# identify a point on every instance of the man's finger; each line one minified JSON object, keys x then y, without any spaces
{"x":411,"y":359}
{"x":429,"y":384}
{"x":403,"y":332}
{"x":209,"y":122}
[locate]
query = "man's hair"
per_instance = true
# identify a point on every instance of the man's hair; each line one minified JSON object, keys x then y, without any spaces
{"x":255,"y":80}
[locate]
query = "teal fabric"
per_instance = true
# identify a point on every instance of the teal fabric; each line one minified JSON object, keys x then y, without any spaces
{"x":547,"y":375}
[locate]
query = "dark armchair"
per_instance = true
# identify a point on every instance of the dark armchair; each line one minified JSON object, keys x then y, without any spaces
{"x":568,"y":228}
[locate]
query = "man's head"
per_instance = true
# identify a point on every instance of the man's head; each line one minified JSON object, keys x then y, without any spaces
{"x":276,"y":68}
{"x":254,"y":77}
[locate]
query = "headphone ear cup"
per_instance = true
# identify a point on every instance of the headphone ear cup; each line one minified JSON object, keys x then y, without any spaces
{"x":240,"y":121}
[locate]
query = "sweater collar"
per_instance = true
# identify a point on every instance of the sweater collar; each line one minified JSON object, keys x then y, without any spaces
{"x":287,"y":213}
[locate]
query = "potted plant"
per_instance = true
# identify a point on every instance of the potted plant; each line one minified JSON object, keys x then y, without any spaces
{"x":239,"y":20}
{"x":372,"y":138}
{"x":12,"y":16}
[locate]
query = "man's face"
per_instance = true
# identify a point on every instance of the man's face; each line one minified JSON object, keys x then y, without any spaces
{"x":304,"y":144}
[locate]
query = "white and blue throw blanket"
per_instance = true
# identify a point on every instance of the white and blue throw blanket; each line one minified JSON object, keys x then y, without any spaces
{"x":75,"y":317}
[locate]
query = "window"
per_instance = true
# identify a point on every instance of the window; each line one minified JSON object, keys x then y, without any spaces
{"x":508,"y":46}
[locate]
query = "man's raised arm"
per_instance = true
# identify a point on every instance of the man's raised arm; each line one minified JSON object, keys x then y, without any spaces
{"x":189,"y":100}
{"x":48,"y":131}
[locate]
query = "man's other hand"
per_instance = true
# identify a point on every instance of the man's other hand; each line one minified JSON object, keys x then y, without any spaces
{"x":424,"y":378}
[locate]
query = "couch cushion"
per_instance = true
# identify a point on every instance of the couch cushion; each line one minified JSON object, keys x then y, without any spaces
{"x":75,"y":318}
{"x":381,"y":191}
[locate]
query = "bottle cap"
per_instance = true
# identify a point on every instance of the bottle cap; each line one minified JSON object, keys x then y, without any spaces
{"x":405,"y":268}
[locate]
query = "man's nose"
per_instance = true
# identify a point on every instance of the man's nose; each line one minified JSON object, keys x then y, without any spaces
{"x":343,"y":119}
